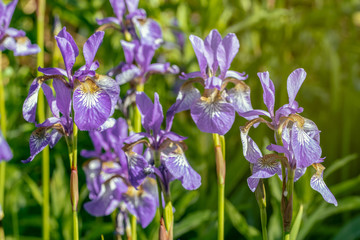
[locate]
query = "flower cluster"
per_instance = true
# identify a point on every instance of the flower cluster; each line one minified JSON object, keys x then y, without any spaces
{"x":108,"y":179}
{"x":213,"y":111}
{"x":91,"y":96}
{"x":298,"y":139}
{"x":168,"y":161}
{"x":11,"y":38}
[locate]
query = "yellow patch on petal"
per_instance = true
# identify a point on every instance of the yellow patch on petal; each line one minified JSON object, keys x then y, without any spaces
{"x":89,"y":93}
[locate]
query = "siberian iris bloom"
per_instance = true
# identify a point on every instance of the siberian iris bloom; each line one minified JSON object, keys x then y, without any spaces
{"x":133,"y":22}
{"x":108,"y":180}
{"x":137,"y":67}
{"x":213,"y":111}
{"x":298,"y":138}
{"x":165,"y":145}
{"x":11,"y":38}
{"x":91,"y":96}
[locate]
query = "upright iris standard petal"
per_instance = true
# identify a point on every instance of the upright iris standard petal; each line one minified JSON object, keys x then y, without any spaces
{"x":306,"y":150}
{"x":294,"y":82}
{"x":92,"y":105}
{"x":64,"y":34}
{"x":144,"y":55}
{"x":213,"y":82}
{"x":149,"y":31}
{"x":199,"y":48}
{"x":5,"y":151}
{"x":211,"y":44}
{"x":129,"y":50}
{"x":119,"y":8}
{"x":213,"y":116}
{"x":91,"y":46}
{"x":317,"y":183}
{"x":156,"y":116}
{"x":68,"y":54}
{"x":92,"y":171}
{"x":63,"y":97}
{"x":226,"y":52}
{"x":174,"y":159}
{"x":8,"y":13}
{"x":269,"y":91}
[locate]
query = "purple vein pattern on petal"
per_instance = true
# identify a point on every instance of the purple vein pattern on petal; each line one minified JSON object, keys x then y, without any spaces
{"x":213,"y":116}
{"x":317,"y":183}
{"x":211,"y":44}
{"x":136,"y":163}
{"x":63,"y":97}
{"x":269,"y":91}
{"x":92,"y":106}
{"x":91,"y":46}
{"x":68,"y":54}
{"x":240,"y":98}
{"x":30,"y":103}
{"x":251,"y":150}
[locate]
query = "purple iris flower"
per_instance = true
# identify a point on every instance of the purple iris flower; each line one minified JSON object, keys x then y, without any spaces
{"x":169,"y":146}
{"x":108,"y":180}
{"x":135,"y":23}
{"x":5,"y":151}
{"x":299,"y":138}
{"x":137,"y":67}
{"x":92,"y":96}
{"x":11,"y":38}
{"x":213,"y":111}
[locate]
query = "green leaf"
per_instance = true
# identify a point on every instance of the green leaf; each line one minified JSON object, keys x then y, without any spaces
{"x":192,"y":221}
{"x":239,"y":222}
{"x":296,"y":226}
{"x":339,"y":164}
{"x":35,"y":190}
{"x":350,"y":231}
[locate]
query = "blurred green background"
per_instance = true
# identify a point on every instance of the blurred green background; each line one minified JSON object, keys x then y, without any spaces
{"x":321,"y":36}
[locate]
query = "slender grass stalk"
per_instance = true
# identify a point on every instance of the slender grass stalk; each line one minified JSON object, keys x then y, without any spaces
{"x":133,"y":228}
{"x":219,"y":145}
{"x":74,"y":188}
{"x":41,"y":113}
{"x":3,"y":122}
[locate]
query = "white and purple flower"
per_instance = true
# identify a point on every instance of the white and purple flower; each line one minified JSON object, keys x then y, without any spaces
{"x":11,"y":38}
{"x":91,"y":96}
{"x":213,"y":111}
{"x":298,"y":141}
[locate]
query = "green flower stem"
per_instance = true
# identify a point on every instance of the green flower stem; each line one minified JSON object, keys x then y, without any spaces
{"x":74,"y":188}
{"x":133,"y":228}
{"x":219,"y":145}
{"x":3,"y":163}
{"x":261,"y":199}
{"x":287,"y":193}
{"x":41,"y":113}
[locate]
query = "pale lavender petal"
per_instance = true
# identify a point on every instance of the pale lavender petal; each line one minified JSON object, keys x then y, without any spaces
{"x":186,"y":76}
{"x":68,"y":54}
{"x":108,"y":199}
{"x":51,"y":100}
{"x":239,"y":97}
{"x":155,"y":117}
{"x":299,"y":172}
{"x":108,"y":20}
{"x":14,"y":33}
{"x":211,"y":44}
{"x":146,"y":209}
{"x":199,"y":48}
{"x":251,"y":150}
{"x":213,"y":82}
{"x":64,"y":34}
{"x":92,"y":106}
{"x":8,"y":13}
{"x":48,"y":122}
{"x":317,"y":183}
{"x":129,"y":72}
{"x":5,"y":151}
{"x":236,"y":75}
{"x":149,"y":31}
{"x":253,"y":183}
{"x":144,"y":56}
{"x":129,"y":50}
{"x":92,"y":170}
{"x":213,"y":116}
{"x":109,"y":123}
{"x":226,"y":52}
{"x":253,"y":113}
{"x":137,"y":165}
{"x":91,"y":46}
{"x":294,"y":82}
{"x":269,"y":91}
{"x":132,"y":5}
{"x":118,"y":7}
{"x":24,"y":47}
{"x":30,"y":103}
{"x":110,"y":86}
{"x":63,"y":96}
{"x":52,"y":71}
{"x":306,"y":150}
{"x":55,"y":136}
{"x":163,"y":68}
{"x":175,"y":162}
{"x":312,"y":130}
{"x":173,"y":137}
